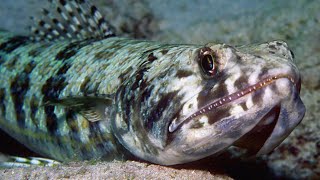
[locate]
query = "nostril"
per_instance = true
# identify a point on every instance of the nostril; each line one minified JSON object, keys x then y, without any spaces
{"x":283,"y":50}
{"x":281,"y":43}
{"x":280,"y":49}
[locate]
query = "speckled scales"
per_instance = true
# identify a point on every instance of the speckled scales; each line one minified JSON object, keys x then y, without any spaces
{"x":96,"y":69}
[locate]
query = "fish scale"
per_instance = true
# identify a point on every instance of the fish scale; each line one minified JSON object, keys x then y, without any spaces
{"x":63,"y":80}
{"x":95,"y":96}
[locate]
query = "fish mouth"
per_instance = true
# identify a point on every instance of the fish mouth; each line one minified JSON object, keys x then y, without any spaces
{"x":254,"y":140}
{"x":274,"y":126}
{"x":296,"y":82}
{"x":257,"y":130}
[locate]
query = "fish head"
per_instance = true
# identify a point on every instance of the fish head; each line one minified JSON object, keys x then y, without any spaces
{"x":249,"y":98}
{"x":194,"y":102}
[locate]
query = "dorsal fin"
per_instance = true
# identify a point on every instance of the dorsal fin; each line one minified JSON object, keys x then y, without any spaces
{"x":70,"y":19}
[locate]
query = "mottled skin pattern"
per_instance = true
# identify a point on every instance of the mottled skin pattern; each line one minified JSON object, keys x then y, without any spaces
{"x":99,"y":70}
{"x":156,"y":101}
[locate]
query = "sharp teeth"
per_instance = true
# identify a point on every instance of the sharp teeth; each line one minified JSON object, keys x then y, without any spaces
{"x":204,"y":120}
{"x":236,"y":110}
{"x":249,"y":103}
{"x":291,"y":79}
{"x":267,"y":96}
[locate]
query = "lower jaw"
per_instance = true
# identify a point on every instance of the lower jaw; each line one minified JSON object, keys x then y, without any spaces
{"x":254,"y":140}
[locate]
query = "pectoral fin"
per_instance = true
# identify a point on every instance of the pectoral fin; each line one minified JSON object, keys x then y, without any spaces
{"x":92,"y":108}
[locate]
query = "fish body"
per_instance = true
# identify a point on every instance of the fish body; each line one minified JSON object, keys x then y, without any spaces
{"x":106,"y":97}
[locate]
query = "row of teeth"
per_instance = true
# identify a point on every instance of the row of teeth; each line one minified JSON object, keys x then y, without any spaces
{"x":237,"y":95}
{"x":224,"y":100}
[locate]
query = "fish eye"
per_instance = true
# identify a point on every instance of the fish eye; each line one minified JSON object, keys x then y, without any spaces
{"x":208,"y":64}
